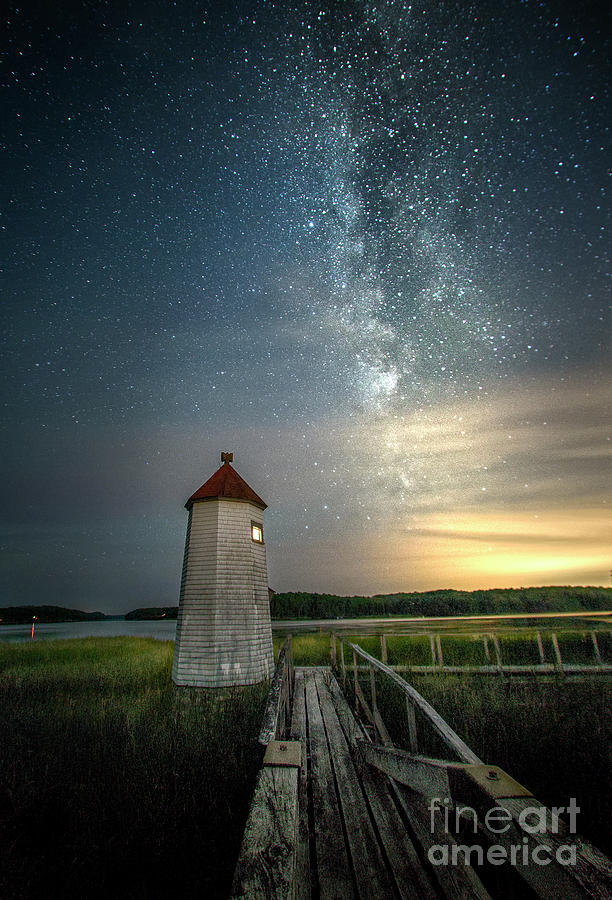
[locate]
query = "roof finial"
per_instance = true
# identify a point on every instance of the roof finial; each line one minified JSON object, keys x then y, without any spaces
{"x":227,"y":458}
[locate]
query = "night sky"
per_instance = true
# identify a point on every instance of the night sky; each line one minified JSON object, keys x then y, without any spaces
{"x":363,"y":245}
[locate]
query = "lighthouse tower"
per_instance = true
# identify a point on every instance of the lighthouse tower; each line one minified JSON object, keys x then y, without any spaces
{"x":223,"y":634}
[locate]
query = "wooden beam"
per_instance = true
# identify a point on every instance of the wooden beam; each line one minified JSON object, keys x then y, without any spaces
{"x":598,"y":658}
{"x":265,"y":869}
{"x":428,"y":777}
{"x":535,"y":832}
{"x":342,"y":663}
{"x":410,"y":878}
{"x":498,"y":655}
{"x":432,"y":645}
{"x":540,"y":647}
{"x":439,"y":649}
{"x":367,"y":861}
{"x":302,"y":879}
{"x":412,"y":726}
{"x":486,"y":648}
{"x":383,"y":647}
{"x":333,"y":863}
{"x":557,"y":651}
{"x":275,"y":715}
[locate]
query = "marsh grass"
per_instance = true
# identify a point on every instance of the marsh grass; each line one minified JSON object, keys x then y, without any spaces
{"x":517,"y":648}
{"x":311,"y":649}
{"x":112,"y":784}
{"x":464,"y":650}
{"x":407,"y":650}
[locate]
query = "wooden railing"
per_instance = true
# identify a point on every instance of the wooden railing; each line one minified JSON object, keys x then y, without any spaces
{"x":487,"y":790}
{"x":414,"y":702}
{"x":495,"y":665}
{"x":266,"y":863}
{"x":277,"y":715}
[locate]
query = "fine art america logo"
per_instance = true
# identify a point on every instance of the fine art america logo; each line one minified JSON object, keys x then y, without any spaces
{"x":495,"y":826}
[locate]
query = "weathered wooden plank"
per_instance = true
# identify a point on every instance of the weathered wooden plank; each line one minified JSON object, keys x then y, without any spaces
{"x":540,"y":648}
{"x":410,"y":879}
{"x":486,"y":648}
{"x":371,"y":875}
{"x":428,"y":777}
{"x":589,"y":872}
{"x":265,"y":869}
{"x":596,"y":650}
{"x":302,"y":881}
{"x":274,"y":715}
{"x":439,"y":649}
{"x":378,"y":719}
{"x":432,"y":644}
{"x":505,"y":669}
{"x":458,"y":882}
{"x":455,"y":883}
{"x":413,"y":736}
{"x":557,"y":651}
{"x":333,"y":863}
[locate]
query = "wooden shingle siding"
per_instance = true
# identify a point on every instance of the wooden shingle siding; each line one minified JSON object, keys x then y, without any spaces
{"x":224,"y":634}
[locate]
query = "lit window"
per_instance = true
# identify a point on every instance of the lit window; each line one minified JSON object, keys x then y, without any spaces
{"x":257,"y":532}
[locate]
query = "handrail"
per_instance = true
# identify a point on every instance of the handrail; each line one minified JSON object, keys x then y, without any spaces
{"x":450,"y":737}
{"x":277,"y":714}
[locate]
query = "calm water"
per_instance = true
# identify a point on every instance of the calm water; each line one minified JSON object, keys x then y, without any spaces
{"x":164,"y":630}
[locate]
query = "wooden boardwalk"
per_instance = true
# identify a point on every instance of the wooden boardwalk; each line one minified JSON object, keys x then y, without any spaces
{"x":328,"y":823}
{"x":357,"y":836}
{"x":352,"y":840}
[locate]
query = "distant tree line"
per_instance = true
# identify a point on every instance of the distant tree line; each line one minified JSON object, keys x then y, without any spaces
{"x":302,"y":605}
{"x":153,"y":612}
{"x":20,"y":615}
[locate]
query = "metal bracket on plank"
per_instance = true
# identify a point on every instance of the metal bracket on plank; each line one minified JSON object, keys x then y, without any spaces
{"x":283,"y":753}
{"x":492,"y":781}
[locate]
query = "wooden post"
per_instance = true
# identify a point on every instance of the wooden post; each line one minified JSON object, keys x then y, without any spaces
{"x":332,"y":649}
{"x":373,"y":689}
{"x":412,"y":727}
{"x":355,"y":681}
{"x":290,"y":684}
{"x":540,"y":648}
{"x":598,"y":658}
{"x":433,"y":650}
{"x":486,"y":648}
{"x":555,"y":643}
{"x":439,"y":646}
{"x":497,"y":653}
{"x":383,"y":647}
{"x":342,"y":663}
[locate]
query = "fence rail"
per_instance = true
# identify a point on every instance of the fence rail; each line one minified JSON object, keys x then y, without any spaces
{"x":277,"y":715}
{"x":492,"y":650}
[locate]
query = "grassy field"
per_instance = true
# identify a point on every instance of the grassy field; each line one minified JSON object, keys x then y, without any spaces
{"x":110,"y":786}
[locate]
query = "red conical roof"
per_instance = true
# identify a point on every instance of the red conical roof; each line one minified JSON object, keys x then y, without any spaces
{"x":226,"y":484}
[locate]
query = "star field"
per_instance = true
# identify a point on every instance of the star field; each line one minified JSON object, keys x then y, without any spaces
{"x":365,"y":243}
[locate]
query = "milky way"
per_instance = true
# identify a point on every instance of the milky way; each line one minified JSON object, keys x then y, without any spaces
{"x":359,"y":241}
